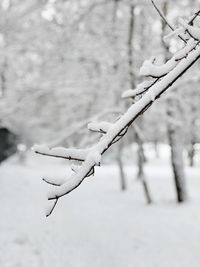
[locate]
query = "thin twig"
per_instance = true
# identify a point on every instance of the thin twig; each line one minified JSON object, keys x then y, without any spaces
{"x":58,"y":156}
{"x":53,"y":207}
{"x":55,"y":184}
{"x":165,"y":20}
{"x":194,"y":17}
{"x":162,"y":16}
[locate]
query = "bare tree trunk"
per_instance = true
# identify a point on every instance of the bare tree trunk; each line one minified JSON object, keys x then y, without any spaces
{"x":120,"y":146}
{"x":121,"y":166}
{"x":141,"y":158}
{"x":193,"y":130}
{"x":174,"y":132}
{"x":140,"y":174}
{"x":130,"y":46}
{"x":176,"y":145}
{"x":140,"y":153}
{"x":156,"y":149}
{"x":3,"y":79}
{"x":146,"y":190}
{"x":191,"y":154}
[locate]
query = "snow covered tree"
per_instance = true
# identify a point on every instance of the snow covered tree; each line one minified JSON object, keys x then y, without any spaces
{"x":159,"y":77}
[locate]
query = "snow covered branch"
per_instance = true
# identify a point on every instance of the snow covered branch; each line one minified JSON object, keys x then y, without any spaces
{"x":157,"y":71}
{"x":168,"y":74}
{"x":60,"y":152}
{"x":101,"y":127}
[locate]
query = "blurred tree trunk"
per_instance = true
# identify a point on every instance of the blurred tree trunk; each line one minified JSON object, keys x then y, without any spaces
{"x":176,"y":146}
{"x":121,"y":165}
{"x":174,"y":131}
{"x":191,"y":154}
{"x":141,"y":174}
{"x":130,"y":46}
{"x":120,"y":145}
{"x":156,"y":149}
{"x":140,"y":151}
{"x":193,"y":130}
{"x":3,"y":78}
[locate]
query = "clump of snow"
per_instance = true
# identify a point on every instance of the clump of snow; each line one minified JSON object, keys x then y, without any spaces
{"x":140,"y":88}
{"x":150,"y":69}
{"x":128,"y":93}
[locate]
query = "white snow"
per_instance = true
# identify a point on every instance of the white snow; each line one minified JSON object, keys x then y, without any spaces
{"x":97,"y":225}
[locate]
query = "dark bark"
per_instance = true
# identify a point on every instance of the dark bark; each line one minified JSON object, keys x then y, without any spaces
{"x":7,"y":144}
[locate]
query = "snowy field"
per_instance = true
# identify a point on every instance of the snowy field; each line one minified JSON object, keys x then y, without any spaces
{"x":97,"y":225}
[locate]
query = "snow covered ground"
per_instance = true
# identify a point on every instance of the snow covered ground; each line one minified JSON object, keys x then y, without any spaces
{"x":97,"y":225}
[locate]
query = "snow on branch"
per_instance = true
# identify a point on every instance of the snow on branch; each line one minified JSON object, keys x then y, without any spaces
{"x":90,"y":158}
{"x":140,"y":89}
{"x":150,"y":69}
{"x":194,"y":32}
{"x":54,"y":181}
{"x":101,"y":127}
{"x":60,"y":152}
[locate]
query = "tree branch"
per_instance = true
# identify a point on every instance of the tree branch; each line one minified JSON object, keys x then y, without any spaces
{"x":125,"y":121}
{"x":92,"y":157}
